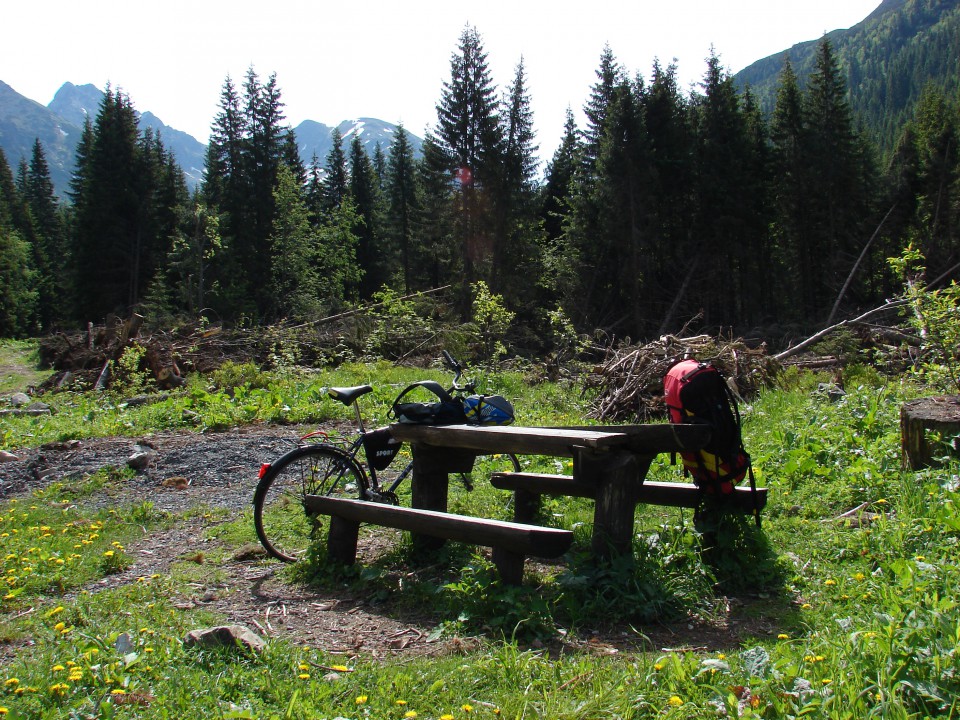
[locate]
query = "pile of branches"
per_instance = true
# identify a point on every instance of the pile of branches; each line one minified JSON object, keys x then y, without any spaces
{"x":629,"y":380}
{"x":92,"y":359}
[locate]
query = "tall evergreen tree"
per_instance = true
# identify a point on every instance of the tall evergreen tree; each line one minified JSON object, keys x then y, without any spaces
{"x":115,"y":248}
{"x":336,"y":182}
{"x":469,"y":129}
{"x":403,"y":203}
{"x":373,"y":253}
{"x":840,"y":199}
{"x":515,"y":256}
{"x":559,"y":177}
{"x":17,"y":276}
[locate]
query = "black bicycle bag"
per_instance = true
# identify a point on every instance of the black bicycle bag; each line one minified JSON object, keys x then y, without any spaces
{"x":446,"y":410}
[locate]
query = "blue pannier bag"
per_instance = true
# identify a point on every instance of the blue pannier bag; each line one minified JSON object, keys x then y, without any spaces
{"x":488,"y":410}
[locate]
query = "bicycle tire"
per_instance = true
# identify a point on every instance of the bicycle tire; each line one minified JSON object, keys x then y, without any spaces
{"x":283,"y":526}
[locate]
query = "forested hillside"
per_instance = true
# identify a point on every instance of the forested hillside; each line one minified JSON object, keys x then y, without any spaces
{"x":665,"y":209}
{"x":887,"y":60}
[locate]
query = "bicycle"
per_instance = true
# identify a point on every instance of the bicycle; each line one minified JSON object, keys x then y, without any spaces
{"x":321,"y":465}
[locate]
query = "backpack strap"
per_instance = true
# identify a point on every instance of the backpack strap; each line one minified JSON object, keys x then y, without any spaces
{"x":431,"y":385}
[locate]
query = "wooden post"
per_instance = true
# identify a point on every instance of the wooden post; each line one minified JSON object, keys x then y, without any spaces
{"x":617,"y":476}
{"x":430,"y":483}
{"x":342,"y":540}
{"x":940,"y":415}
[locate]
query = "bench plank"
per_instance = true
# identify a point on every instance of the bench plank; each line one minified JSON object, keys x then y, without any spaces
{"x":511,"y":541}
{"x":670,"y":494}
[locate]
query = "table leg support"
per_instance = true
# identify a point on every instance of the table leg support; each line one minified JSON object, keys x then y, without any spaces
{"x":509,"y":565}
{"x":342,"y":540}
{"x":616,"y":477}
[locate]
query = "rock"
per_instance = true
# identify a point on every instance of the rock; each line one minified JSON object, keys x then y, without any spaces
{"x":225,"y":636}
{"x":19,"y":399}
{"x":142,"y":458}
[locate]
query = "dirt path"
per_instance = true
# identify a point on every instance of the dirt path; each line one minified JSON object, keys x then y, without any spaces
{"x":219,"y":470}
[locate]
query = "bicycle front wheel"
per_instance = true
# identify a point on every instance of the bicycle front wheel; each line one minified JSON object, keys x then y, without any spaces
{"x":283,"y":525}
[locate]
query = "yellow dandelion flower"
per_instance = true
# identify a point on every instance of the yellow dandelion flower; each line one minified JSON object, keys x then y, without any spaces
{"x":830,"y":582}
{"x":58,"y":668}
{"x":446,"y":716}
{"x":658,"y":666}
{"x":410,"y":714}
{"x":721,"y":656}
{"x":304,"y":676}
{"x":340,"y":668}
{"x":303,"y":666}
{"x":361,"y":699}
{"x":675,"y":701}
{"x":118,"y":691}
{"x":11,"y":682}
{"x":806,"y":606}
{"x":859,"y":577}
{"x":882,"y":501}
{"x":400,"y":702}
{"x":108,"y":554}
{"x":826,"y":681}
{"x":920,"y":558}
{"x":58,"y":609}
{"x":148,"y":649}
{"x":60,"y":626}
{"x":466,"y":707}
{"x":783,"y":636}
{"x":3,"y":710}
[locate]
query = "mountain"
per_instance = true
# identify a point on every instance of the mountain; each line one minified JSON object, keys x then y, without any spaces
{"x":60,"y":124}
{"x":889,"y":57}
{"x":22,"y":121}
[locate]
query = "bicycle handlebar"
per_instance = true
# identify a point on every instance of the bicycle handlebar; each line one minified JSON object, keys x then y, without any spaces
{"x":457,"y":368}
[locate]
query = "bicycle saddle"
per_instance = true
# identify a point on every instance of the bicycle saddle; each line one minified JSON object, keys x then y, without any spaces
{"x":348,"y":395}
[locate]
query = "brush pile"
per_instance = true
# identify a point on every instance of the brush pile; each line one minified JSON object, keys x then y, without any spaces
{"x":628,"y":383}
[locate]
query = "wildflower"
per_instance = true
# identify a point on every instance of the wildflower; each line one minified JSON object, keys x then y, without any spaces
{"x":783,"y":636}
{"x":59,"y":626}
{"x":400,"y":702}
{"x":58,"y":609}
{"x":806,"y":606}
{"x":3,"y":710}
{"x":658,"y":666}
{"x":59,"y":689}
{"x":361,"y":699}
{"x":118,"y":691}
{"x":304,"y":676}
{"x":340,"y":668}
{"x":826,"y":681}
{"x":466,"y":707}
{"x":11,"y":682}
{"x":58,"y":668}
{"x":410,"y":714}
{"x":108,"y":554}
{"x":920,"y":558}
{"x":882,"y":501}
{"x":830,"y":583}
{"x":859,"y":577}
{"x":675,"y":701}
{"x":446,"y":716}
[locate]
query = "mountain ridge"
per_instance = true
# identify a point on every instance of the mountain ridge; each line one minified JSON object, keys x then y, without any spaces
{"x":59,"y":126}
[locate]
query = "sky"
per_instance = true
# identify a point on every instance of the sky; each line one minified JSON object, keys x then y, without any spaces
{"x":337,"y":61}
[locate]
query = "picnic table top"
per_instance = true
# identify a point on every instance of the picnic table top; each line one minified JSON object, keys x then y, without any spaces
{"x":647,"y":439}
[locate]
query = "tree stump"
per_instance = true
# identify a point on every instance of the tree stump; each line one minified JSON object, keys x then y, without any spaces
{"x":924,"y":418}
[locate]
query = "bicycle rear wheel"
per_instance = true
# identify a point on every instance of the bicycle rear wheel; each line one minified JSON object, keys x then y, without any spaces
{"x":283,"y":525}
{"x":486,"y":465}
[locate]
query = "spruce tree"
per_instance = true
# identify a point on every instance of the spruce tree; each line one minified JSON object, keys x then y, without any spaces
{"x":336,"y":182}
{"x":17,"y":276}
{"x":468,"y":126}
{"x":403,"y":203}
{"x":373,"y":253}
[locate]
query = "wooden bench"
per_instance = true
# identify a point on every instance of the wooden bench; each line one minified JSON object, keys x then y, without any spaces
{"x":528,"y":487}
{"x":511,"y":542}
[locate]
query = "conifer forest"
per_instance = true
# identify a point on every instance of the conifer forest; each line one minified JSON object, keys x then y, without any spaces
{"x":665,"y":208}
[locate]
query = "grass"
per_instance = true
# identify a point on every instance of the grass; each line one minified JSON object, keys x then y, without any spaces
{"x":19,"y":369}
{"x":857,"y":617}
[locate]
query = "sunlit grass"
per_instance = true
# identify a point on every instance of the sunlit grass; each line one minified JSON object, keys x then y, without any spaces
{"x":851,"y":615}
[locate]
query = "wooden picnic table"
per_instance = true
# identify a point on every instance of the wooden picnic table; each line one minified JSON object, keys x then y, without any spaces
{"x":610,"y":462}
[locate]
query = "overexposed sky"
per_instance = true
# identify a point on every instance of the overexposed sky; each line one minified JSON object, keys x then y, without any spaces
{"x":388,"y":60}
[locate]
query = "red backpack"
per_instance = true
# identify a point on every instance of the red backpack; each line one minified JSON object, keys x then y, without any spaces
{"x":696,"y":392}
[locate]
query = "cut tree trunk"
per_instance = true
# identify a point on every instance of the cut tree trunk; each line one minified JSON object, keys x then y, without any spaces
{"x":930,"y":431}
